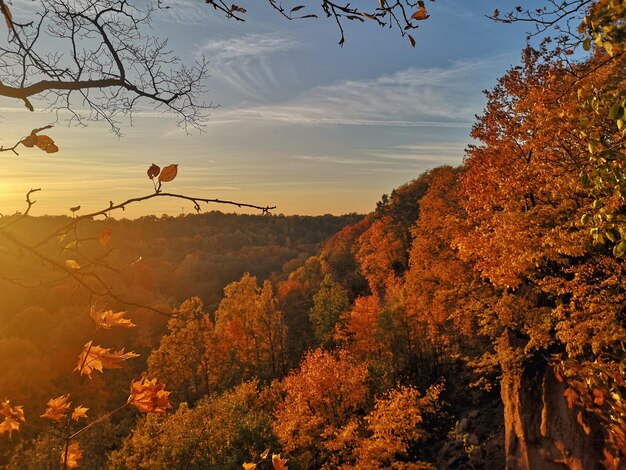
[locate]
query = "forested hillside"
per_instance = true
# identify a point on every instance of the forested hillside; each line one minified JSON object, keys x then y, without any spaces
{"x":476,"y":318}
{"x":149,"y":262}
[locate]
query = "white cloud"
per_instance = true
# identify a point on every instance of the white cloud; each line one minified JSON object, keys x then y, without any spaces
{"x":250,"y":45}
{"x":413,"y":97}
{"x":245,"y":62}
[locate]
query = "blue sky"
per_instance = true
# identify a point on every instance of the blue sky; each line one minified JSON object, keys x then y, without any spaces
{"x":303,"y":124}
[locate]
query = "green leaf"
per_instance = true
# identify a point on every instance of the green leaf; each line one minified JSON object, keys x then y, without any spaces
{"x":616,"y":111}
{"x":619,"y":250}
{"x":587,"y":44}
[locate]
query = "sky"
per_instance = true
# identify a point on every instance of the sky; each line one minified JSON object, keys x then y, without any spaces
{"x":303,"y":124}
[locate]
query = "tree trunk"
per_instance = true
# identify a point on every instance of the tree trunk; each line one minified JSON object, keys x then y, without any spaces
{"x":541,"y":432}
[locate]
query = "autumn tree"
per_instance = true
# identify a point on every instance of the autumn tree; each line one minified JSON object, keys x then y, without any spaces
{"x":219,"y":432}
{"x":321,"y":397}
{"x":184,"y":357}
{"x":250,"y":331}
{"x":330,"y":301}
{"x":526,"y":194}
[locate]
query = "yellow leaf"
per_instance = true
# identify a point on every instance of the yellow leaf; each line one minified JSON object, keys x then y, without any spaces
{"x":73,"y":453}
{"x":168,"y":173}
{"x":57,"y":408}
{"x":105,"y":236}
{"x":12,"y":417}
{"x":72,"y":264}
{"x":97,"y":358}
{"x":79,"y":412}
{"x":108,"y":319}
{"x":249,"y":466}
{"x":148,"y":396}
{"x":265,"y":453}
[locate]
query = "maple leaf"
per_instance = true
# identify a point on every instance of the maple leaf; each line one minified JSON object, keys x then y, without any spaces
{"x":108,"y":319}
{"x":79,"y":412}
{"x":57,"y":408}
{"x":12,"y":417}
{"x":97,"y":358}
{"x":148,"y":396}
{"x":278,"y":463}
{"x":71,"y":455}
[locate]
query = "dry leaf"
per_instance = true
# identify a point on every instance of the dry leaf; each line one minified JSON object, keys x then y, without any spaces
{"x":108,"y":319}
{"x":72,"y":264}
{"x":237,"y":8}
{"x":411,"y":40}
{"x":73,"y":453}
{"x":153,"y":171}
{"x":8,"y":17}
{"x":97,"y":358}
{"x":265,"y":453}
{"x":278,"y":463}
{"x":57,"y":408}
{"x":168,"y":173}
{"x":420,"y":14}
{"x":79,"y":412}
{"x":12,"y":417}
{"x":148,"y":396}
{"x":105,"y":236}
{"x":46,"y":144}
{"x":248,"y":466}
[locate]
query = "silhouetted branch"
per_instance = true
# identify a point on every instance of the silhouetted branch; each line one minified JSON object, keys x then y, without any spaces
{"x":103,"y":56}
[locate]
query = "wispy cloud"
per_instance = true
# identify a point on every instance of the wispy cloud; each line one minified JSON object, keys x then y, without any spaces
{"x":413,"y":97}
{"x":245,"y":62}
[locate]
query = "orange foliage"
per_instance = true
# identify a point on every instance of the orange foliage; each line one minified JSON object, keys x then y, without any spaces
{"x":148,"y":396}
{"x":320,"y":399}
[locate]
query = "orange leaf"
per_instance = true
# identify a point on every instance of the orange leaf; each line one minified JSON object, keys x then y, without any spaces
{"x":278,"y":463}
{"x":73,"y":453}
{"x":8,"y":17}
{"x":598,"y":396}
{"x":105,"y":236}
{"x":108,"y":319}
{"x":148,"y":396}
{"x":168,"y":173}
{"x":46,"y":144}
{"x":97,"y":358}
{"x":420,"y":14}
{"x":579,"y":418}
{"x":248,"y":466}
{"x":57,"y":408}
{"x":571,"y":396}
{"x":12,"y":417}
{"x":79,"y":412}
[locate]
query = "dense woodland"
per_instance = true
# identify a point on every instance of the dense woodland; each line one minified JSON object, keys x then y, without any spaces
{"x":476,"y":318}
